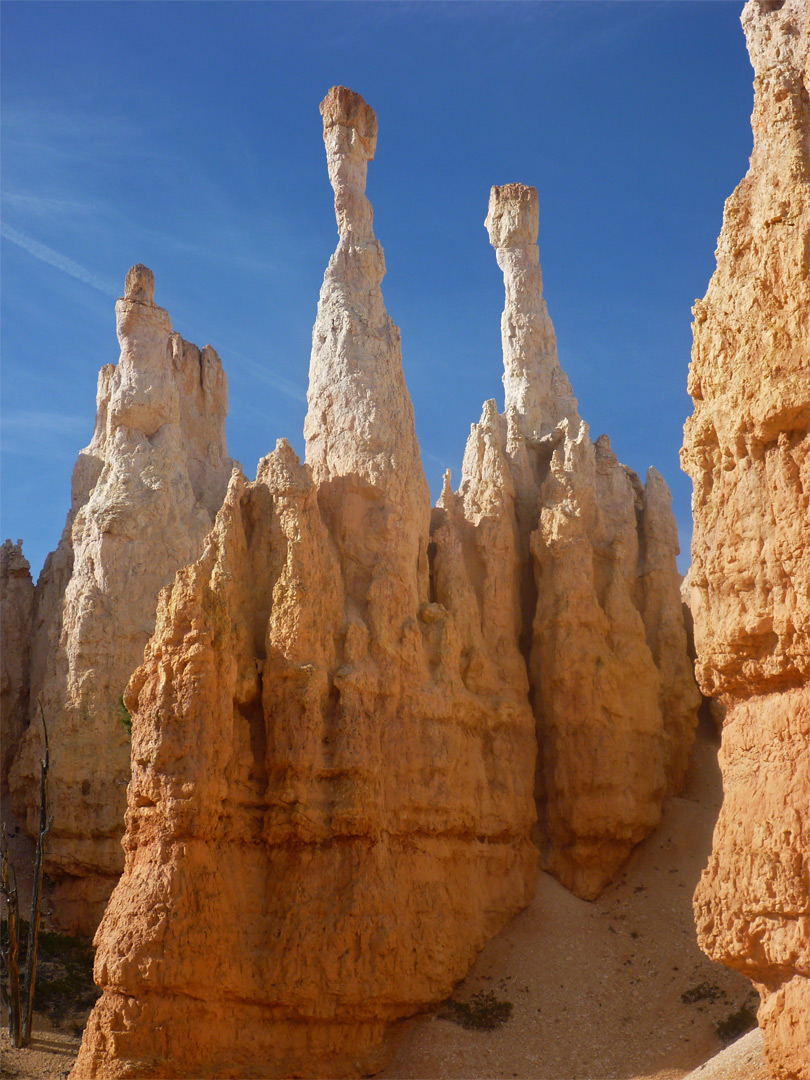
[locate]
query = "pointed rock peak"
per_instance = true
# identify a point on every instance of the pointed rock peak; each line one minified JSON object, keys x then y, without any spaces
{"x":604,"y":451}
{"x":446,"y":497}
{"x":514,"y":215}
{"x":535,"y":385}
{"x":282,"y":470}
{"x":12,"y":559}
{"x":346,"y":108}
{"x":777,"y":36}
{"x":350,"y":136}
{"x":140,"y":284}
{"x":136,"y":311}
{"x":360,"y":417}
{"x":489,"y":415}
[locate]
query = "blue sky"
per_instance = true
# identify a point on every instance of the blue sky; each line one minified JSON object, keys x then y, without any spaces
{"x":186,"y":136}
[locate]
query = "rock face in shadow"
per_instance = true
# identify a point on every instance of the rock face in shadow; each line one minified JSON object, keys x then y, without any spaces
{"x":16,"y":620}
{"x":581,"y":555}
{"x":331,"y":797}
{"x":747,"y":449}
{"x":144,"y":496}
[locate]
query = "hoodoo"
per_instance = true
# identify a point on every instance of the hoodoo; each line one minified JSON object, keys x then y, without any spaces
{"x":747,"y":449}
{"x":333,"y":758}
{"x":331,"y":803}
{"x":595,"y":565}
{"x":535,"y":385}
{"x":144,"y":495}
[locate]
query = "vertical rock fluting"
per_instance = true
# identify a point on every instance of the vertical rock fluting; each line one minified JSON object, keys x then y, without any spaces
{"x":535,"y":385}
{"x":16,"y":623}
{"x":144,"y":495}
{"x":359,"y":429}
{"x":596,"y":580}
{"x":747,"y":449}
{"x":331,"y":797}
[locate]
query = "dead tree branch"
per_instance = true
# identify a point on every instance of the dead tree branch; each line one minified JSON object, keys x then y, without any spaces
{"x":19,"y":1000}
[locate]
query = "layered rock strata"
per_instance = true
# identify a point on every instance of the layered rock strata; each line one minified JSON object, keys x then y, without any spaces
{"x":144,"y":495}
{"x":16,"y":621}
{"x":747,"y":449}
{"x":331,"y":796}
{"x":595,"y":579}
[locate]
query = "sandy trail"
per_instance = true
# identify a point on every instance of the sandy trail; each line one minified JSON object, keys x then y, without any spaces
{"x":596,"y":987}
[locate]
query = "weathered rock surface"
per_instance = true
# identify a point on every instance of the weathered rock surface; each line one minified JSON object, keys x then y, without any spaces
{"x":16,"y":620}
{"x":332,"y":787}
{"x":747,"y":448}
{"x":585,"y":567}
{"x":144,"y":496}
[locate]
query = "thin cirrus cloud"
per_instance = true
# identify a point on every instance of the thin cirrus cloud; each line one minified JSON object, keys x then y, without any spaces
{"x":56,"y":259}
{"x":291,"y":389}
{"x":54,"y":425}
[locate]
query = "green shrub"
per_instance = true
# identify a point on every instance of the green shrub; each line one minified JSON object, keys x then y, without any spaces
{"x":64,"y":973}
{"x":702,"y":992}
{"x":483,"y":1012}
{"x":124,"y":717}
{"x":735,"y":1025}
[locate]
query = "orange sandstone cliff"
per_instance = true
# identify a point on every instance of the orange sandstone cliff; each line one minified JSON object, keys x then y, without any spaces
{"x":336,"y":722}
{"x":329,"y":810}
{"x":747,"y":448}
{"x":144,"y":495}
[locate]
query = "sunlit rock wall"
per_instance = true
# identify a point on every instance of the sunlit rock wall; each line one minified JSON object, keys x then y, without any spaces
{"x":747,"y":449}
{"x":144,"y":496}
{"x":332,"y":790}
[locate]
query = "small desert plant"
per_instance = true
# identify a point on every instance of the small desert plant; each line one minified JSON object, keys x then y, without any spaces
{"x":702,"y":992}
{"x":65,"y":982}
{"x":736,"y":1024}
{"x":124,"y":717}
{"x":64,"y":972}
{"x":483,"y":1012}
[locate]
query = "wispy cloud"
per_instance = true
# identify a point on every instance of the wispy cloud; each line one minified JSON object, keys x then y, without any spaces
{"x":442,"y":461}
{"x":43,"y":434}
{"x":56,"y":259}
{"x":43,"y":207}
{"x":55,"y":423}
{"x":266,"y":375}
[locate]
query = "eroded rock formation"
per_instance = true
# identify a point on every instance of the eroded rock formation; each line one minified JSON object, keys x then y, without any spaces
{"x":144,"y":496}
{"x":595,"y":578}
{"x":333,"y":759}
{"x":747,"y":449}
{"x":331,"y":800}
{"x":16,"y":621}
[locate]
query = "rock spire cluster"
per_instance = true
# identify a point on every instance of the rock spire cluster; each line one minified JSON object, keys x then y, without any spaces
{"x":144,"y":496}
{"x":354,"y":821}
{"x":747,"y":449}
{"x":596,"y":575}
{"x":336,"y":721}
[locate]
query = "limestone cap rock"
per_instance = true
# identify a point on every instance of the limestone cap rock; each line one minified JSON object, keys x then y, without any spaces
{"x":140,"y":284}
{"x":345,"y":107}
{"x":514,"y":215}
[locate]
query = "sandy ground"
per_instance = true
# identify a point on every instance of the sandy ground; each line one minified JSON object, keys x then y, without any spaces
{"x":49,"y":1057}
{"x":595,"y":987}
{"x":743,"y":1060}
